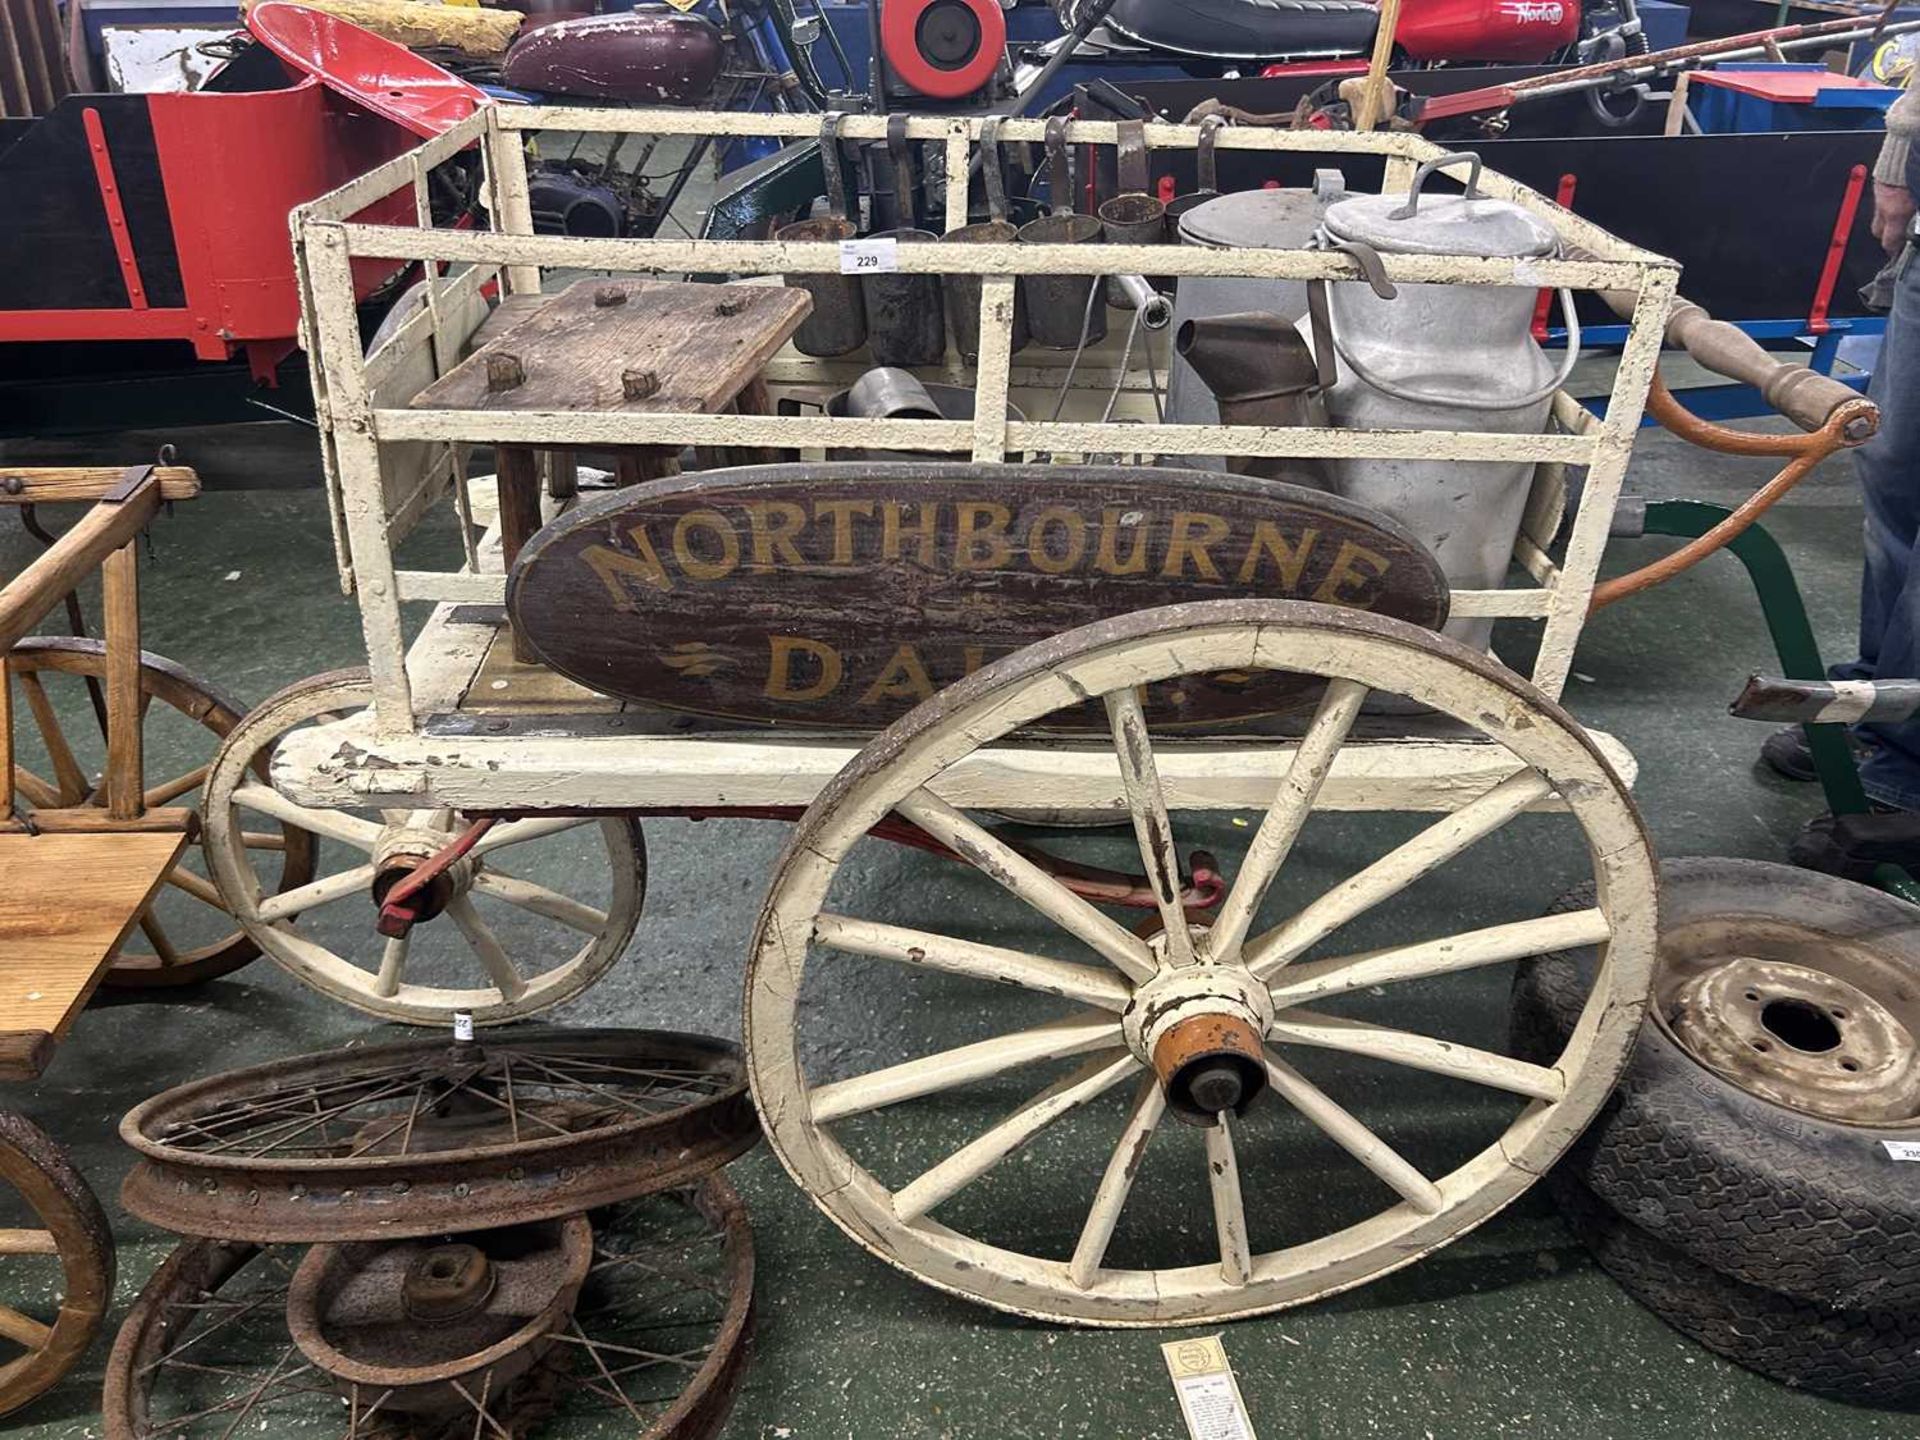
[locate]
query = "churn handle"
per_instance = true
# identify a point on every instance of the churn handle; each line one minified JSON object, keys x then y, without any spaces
{"x":1454,"y":157}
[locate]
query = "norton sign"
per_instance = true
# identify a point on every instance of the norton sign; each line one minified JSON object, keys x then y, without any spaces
{"x":844,"y":594}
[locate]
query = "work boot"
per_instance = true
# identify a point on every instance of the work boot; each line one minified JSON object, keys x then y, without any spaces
{"x":1787,"y":753}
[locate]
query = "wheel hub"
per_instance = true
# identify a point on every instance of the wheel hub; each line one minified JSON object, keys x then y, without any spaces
{"x":429,"y":1326}
{"x":404,"y":848}
{"x":1200,"y":1027}
{"x":448,"y":1282}
{"x":1801,"y":1038}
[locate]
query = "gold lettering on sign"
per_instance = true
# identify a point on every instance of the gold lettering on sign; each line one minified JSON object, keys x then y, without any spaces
{"x":1183,"y":544}
{"x":1355,"y":568}
{"x":1290,"y":558}
{"x":1067,"y":523}
{"x":894,"y":535}
{"x":775,"y":523}
{"x":904,"y":678}
{"x":839,"y":514}
{"x":1106,"y":557}
{"x":980,"y":535}
{"x":697,"y":567}
{"x":780,"y":668}
{"x":622,"y":573}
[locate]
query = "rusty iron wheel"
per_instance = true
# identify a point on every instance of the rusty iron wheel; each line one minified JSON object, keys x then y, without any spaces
{"x":656,"y":1343}
{"x":187,"y":935}
{"x":391,"y":1142}
{"x":70,"y":1235}
{"x":433,"y":1324}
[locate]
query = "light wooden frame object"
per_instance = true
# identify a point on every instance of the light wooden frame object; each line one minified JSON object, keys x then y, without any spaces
{"x":375,"y":498}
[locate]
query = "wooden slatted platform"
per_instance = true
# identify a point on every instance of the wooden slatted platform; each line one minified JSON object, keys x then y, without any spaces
{"x":67,"y":904}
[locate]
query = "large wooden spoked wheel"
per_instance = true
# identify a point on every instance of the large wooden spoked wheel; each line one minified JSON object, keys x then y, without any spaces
{"x":185,"y":936}
{"x":45,"y":1328}
{"x":498,"y":945}
{"x":1196,"y":1020}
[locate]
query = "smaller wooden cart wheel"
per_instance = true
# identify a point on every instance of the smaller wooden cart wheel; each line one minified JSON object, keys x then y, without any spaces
{"x":186,"y":935}
{"x":494,"y":942}
{"x":71,"y":1228}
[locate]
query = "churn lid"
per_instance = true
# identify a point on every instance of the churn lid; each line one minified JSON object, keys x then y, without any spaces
{"x":1420,"y":224}
{"x":1254,"y":220}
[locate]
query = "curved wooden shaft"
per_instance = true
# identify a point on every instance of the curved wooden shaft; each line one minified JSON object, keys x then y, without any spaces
{"x":1806,"y":452}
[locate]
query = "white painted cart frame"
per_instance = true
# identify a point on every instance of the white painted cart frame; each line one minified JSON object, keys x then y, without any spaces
{"x":417,"y":743}
{"x":366,"y":429}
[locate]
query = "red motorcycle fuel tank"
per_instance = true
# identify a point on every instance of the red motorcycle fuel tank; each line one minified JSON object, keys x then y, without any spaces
{"x":642,"y":57}
{"x":1518,"y":30}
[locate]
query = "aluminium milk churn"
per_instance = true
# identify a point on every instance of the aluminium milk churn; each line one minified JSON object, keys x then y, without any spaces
{"x":1442,"y":357}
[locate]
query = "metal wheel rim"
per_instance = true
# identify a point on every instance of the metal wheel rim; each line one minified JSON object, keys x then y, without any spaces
{"x":217,"y":1191}
{"x":202,"y":1268}
{"x":196,"y":700}
{"x":1145,"y":647}
{"x":1851,"y":1057}
{"x":380,"y":988}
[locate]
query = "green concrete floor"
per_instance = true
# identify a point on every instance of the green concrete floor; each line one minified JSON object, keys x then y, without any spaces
{"x":1510,"y":1332}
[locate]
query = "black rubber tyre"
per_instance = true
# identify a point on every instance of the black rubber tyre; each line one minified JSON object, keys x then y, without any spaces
{"x":1862,"y":1356}
{"x":1779,"y":1199}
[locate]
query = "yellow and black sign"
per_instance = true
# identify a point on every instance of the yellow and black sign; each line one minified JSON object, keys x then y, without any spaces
{"x":842,"y":595}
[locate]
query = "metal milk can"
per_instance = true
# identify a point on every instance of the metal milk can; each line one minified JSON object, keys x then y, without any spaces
{"x":1441,"y":357}
{"x":1245,"y":220}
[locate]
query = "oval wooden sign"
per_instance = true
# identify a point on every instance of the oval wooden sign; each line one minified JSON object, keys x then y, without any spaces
{"x":844,"y":594}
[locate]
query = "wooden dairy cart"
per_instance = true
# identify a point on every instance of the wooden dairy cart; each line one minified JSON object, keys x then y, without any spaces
{"x":776,"y":617}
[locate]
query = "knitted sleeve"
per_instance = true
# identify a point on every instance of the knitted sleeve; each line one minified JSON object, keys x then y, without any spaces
{"x":1903,"y":123}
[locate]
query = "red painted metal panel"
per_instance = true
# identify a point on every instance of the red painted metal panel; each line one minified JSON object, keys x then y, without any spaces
{"x":95,"y":325}
{"x":374,"y":72}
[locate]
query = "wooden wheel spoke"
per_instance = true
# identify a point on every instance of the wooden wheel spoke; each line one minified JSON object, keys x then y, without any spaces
{"x":518,"y":832}
{"x":201,"y":889}
{"x":393,"y":962}
{"x":1149,"y":1104}
{"x":263,"y":840}
{"x":334,"y":824}
{"x":173,"y":789}
{"x":1152,"y":827}
{"x":1542,"y":935}
{"x":1419,"y":1052}
{"x":34,"y":790}
{"x":23,"y":1329}
{"x":71,"y":779}
{"x":1273,"y":841}
{"x":991,"y":1146}
{"x":1019,"y":875}
{"x":485,"y":944}
{"x":928,"y":951}
{"x":28,"y":1242}
{"x":163,"y":948}
{"x":1340,"y":1126}
{"x":1394,"y":872}
{"x":1229,"y":1210}
{"x":324,"y":891}
{"x":538,"y":899}
{"x":963,"y":1065}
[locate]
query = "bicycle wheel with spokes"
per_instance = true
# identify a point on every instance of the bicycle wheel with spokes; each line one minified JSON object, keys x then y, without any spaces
{"x":1276,"y":1192}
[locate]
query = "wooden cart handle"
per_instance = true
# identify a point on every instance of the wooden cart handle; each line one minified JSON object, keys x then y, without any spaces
{"x":1806,"y":397}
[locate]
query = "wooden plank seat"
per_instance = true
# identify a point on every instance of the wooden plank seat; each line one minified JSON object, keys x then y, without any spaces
{"x":67,"y":904}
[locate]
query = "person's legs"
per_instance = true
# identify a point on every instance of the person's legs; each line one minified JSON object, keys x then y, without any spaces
{"x":1888,"y":467}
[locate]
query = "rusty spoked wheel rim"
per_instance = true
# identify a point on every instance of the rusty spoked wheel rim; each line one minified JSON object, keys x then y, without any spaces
{"x":657,"y":1341}
{"x":35,"y":1352}
{"x":174,"y":943}
{"x":425,"y":1137}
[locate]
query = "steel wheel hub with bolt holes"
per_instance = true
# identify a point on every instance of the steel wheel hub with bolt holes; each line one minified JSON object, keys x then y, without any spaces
{"x":1801,"y":1038}
{"x":1084,"y":1035}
